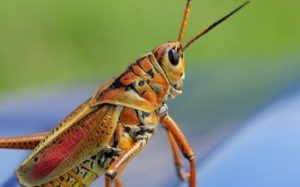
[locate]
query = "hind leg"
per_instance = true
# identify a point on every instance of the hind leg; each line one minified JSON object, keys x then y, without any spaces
{"x":22,"y":142}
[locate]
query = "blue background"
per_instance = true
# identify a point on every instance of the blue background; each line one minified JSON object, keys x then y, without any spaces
{"x":263,"y":150}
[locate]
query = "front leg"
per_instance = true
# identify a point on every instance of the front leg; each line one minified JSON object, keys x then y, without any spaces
{"x":183,"y":175}
{"x":183,"y":145}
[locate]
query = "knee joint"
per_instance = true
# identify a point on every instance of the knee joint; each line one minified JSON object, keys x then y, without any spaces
{"x":111,"y":174}
{"x":190,"y":157}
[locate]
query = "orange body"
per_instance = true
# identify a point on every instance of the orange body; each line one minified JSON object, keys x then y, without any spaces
{"x":104,"y":133}
{"x":120,"y":113}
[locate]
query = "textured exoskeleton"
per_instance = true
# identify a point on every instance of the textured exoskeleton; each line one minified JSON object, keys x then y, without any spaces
{"x":104,"y":133}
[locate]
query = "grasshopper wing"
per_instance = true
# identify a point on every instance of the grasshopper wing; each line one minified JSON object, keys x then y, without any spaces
{"x":83,"y":133}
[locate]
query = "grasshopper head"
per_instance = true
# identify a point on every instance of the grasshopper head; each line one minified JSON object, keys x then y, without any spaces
{"x":170,"y":55}
{"x":170,"y":58}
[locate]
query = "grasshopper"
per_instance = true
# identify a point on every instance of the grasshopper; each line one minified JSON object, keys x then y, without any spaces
{"x":104,"y":133}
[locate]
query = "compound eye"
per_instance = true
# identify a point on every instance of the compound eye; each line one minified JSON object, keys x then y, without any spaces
{"x":173,"y":57}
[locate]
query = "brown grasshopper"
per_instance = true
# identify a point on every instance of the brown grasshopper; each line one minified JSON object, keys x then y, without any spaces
{"x":104,"y":133}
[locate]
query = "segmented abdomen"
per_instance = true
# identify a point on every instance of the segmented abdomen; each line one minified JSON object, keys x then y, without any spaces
{"x":132,"y":125}
{"x":86,"y":172}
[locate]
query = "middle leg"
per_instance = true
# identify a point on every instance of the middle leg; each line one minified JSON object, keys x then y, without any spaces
{"x":115,"y":168}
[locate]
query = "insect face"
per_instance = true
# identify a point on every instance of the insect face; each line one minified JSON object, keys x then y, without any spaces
{"x":170,"y":58}
{"x":170,"y":55}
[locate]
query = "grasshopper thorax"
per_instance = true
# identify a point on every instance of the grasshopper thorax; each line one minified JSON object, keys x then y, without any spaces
{"x":170,"y":58}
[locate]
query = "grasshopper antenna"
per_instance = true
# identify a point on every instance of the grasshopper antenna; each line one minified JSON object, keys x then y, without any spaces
{"x":184,"y":21}
{"x":213,"y":25}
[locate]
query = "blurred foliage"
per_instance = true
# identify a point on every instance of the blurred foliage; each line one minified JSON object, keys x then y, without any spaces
{"x":54,"y":42}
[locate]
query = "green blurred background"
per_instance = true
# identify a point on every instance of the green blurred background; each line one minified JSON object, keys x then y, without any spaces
{"x":238,"y":67}
{"x":52,"y":42}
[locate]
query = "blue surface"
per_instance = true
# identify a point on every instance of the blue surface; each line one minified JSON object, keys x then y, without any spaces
{"x":264,"y":153}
